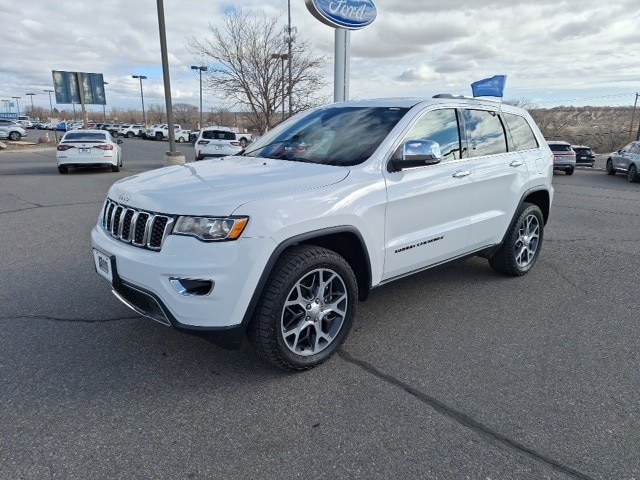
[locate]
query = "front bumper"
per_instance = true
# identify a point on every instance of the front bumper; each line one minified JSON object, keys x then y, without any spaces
{"x":142,"y":280}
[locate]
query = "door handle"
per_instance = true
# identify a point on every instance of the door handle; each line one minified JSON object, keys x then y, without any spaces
{"x":515,"y":163}
{"x":462,"y":173}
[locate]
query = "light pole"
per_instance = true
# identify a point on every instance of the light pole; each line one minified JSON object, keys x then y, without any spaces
{"x":31,"y":95}
{"x":289,"y":42}
{"x":104,"y":105}
{"x":200,"y":69}
{"x":17,"y":103}
{"x":50,"y":104}
{"x":142,"y":77}
{"x":282,"y":57}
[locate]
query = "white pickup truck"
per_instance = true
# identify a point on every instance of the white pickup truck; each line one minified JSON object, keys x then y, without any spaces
{"x":161,"y":132}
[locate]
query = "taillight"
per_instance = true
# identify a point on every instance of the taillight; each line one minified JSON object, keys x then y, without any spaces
{"x":235,"y":144}
{"x":203,"y":142}
{"x":62,"y":148}
{"x":104,"y":147}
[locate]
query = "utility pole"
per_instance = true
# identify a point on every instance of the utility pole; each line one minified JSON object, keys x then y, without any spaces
{"x":633,"y":116}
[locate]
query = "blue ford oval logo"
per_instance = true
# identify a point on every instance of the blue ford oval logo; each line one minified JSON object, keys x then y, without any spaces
{"x":349,"y":14}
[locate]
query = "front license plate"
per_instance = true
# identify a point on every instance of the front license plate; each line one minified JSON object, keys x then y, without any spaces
{"x":103,"y":265}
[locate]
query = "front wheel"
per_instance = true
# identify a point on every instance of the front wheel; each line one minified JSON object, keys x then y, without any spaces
{"x":632,"y":174}
{"x":306,"y":309}
{"x":159,"y":136}
{"x":610,"y":169}
{"x":522,"y":244}
{"x":569,"y":171}
{"x":15,"y":136}
{"x":130,"y":134}
{"x":180,"y":139}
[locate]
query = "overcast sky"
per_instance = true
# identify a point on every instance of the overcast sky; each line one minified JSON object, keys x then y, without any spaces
{"x":554,"y":52}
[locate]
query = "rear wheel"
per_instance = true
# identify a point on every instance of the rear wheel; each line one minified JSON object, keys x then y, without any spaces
{"x":62,"y":170}
{"x":130,"y":134}
{"x":15,"y":136}
{"x":243,"y":142}
{"x":306,"y":309}
{"x":521,"y":247}
{"x":180,"y":139}
{"x":569,"y":171}
{"x":632,"y":174}
{"x":116,"y":167}
{"x":610,"y":169}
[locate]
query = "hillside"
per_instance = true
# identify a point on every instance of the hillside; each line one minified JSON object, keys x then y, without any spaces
{"x":604,"y":129}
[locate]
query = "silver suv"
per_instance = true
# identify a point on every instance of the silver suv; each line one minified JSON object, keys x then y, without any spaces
{"x":564,"y":157}
{"x":626,"y":160}
{"x":11,"y":130}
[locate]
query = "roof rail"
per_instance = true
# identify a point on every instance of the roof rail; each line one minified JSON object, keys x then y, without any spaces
{"x":448,"y":95}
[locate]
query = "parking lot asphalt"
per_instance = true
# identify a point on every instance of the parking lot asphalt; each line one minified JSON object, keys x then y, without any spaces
{"x":453,"y":373}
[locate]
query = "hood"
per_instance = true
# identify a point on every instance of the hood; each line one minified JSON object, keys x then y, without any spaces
{"x":219,"y":186}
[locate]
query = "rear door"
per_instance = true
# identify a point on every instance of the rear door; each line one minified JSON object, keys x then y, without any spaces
{"x":499,"y":176}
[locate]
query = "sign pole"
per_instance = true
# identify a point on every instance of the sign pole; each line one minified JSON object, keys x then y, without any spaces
{"x":342,"y":65}
{"x":81,"y":92}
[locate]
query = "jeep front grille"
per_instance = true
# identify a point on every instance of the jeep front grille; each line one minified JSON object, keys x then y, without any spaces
{"x":137,"y":227}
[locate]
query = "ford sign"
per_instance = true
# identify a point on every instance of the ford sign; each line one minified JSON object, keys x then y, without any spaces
{"x":349,"y":14}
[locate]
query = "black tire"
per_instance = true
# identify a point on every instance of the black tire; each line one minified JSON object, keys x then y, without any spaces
{"x":180,"y":139}
{"x":159,"y":136}
{"x":610,"y":169}
{"x":63,"y":170}
{"x":116,"y":167}
{"x":632,"y":174}
{"x":243,"y":142}
{"x":293,"y":300}
{"x":521,"y":246}
{"x":569,"y":171}
{"x":130,"y":134}
{"x":15,"y":136}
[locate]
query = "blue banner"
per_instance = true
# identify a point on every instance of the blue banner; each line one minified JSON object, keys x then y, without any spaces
{"x":489,"y":87}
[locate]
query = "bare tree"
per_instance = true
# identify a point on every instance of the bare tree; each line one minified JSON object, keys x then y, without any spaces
{"x":185,"y":114}
{"x":245,"y":53}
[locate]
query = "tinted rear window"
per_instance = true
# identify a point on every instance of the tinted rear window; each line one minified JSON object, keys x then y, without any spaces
{"x":560,"y":148}
{"x":85,"y":137}
{"x":218,"y":135}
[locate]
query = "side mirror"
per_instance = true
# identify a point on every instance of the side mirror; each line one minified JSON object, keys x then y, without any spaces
{"x":416,"y":153}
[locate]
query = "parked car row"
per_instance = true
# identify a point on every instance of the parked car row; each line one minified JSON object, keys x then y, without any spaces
{"x":567,"y":156}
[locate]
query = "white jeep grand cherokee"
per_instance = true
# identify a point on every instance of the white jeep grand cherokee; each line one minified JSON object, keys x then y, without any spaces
{"x":281,"y":241}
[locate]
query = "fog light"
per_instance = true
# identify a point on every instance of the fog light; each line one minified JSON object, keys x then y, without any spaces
{"x":190,"y":287}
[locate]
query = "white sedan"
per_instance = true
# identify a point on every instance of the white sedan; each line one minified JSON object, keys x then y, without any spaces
{"x":88,"y":148}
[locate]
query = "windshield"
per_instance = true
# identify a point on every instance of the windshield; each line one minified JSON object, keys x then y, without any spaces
{"x":340,"y":136}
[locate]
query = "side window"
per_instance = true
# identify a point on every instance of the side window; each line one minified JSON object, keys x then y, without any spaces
{"x":440,"y":126}
{"x":522,"y":136}
{"x":628,"y":147}
{"x":485,"y":133}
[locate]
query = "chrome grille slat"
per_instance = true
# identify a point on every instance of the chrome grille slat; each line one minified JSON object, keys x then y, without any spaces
{"x":137,"y":227}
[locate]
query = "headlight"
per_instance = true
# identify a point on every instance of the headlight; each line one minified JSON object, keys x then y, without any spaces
{"x":209,"y":229}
